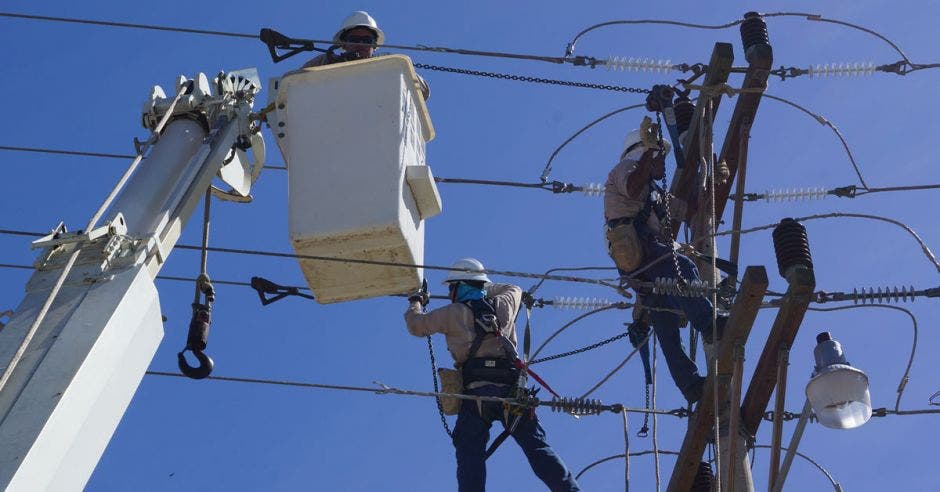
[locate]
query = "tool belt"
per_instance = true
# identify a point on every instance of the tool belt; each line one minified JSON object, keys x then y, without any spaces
{"x":490,"y":370}
{"x":451,"y":382}
{"x":623,"y":244}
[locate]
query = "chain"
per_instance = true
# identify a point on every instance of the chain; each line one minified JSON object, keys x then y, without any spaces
{"x":440,"y":408}
{"x":538,"y":80}
{"x":667,"y":226}
{"x":581,"y":350}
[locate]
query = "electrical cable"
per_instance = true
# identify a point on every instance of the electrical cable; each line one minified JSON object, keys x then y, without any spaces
{"x":929,"y":254}
{"x":273,"y":254}
{"x":575,"y":320}
{"x":538,"y":284}
{"x":548,"y":165}
{"x":569,"y":49}
{"x":910,"y":361}
{"x":618,"y":456}
{"x":537,"y":80}
{"x":836,"y":485}
{"x":617,"y":369}
{"x":825,"y":122}
{"x":81,"y":153}
{"x":434,"y":49}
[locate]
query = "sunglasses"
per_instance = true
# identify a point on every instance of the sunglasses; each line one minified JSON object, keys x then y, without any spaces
{"x":359,"y":39}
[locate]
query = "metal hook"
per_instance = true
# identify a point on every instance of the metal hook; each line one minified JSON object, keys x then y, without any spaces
{"x":202,"y":371}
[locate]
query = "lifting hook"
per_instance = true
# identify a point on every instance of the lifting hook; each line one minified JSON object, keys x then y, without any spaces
{"x":198,"y":336}
{"x":196,"y":342}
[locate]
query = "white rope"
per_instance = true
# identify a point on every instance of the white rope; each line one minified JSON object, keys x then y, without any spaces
{"x":655,"y":418}
{"x":626,"y":453}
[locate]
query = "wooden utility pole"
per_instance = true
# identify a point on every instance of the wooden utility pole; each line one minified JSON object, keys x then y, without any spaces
{"x":741,"y":318}
{"x":730,"y":353}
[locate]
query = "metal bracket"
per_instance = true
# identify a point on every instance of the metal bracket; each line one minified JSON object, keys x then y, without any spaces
{"x":277,"y":41}
{"x":264,"y":286}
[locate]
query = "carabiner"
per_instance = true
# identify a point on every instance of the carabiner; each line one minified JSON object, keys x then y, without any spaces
{"x":200,"y":372}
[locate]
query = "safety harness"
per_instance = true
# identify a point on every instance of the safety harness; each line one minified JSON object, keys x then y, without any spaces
{"x":500,"y":370}
{"x":509,"y":369}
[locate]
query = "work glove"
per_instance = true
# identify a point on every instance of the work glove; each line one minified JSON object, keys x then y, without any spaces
{"x":638,"y":332}
{"x":527,"y":299}
{"x":420,"y":296}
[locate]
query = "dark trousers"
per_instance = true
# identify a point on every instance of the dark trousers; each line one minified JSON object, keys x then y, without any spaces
{"x":666,"y":325}
{"x":472,"y":432}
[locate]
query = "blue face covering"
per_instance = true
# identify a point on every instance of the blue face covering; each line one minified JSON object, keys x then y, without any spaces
{"x":466,"y":292}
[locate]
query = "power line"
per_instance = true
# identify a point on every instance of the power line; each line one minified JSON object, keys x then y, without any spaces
{"x":274,"y":254}
{"x":568,"y":405}
{"x":128,"y":25}
{"x":581,"y":60}
{"x":82,"y":153}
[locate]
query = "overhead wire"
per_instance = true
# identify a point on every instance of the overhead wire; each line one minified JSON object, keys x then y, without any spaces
{"x":615,"y":370}
{"x":420,"y":47}
{"x":569,"y":49}
{"x":548,"y":165}
{"x":618,"y":456}
{"x":836,"y":485}
{"x":825,"y":122}
{"x":929,"y":254}
{"x":274,"y":254}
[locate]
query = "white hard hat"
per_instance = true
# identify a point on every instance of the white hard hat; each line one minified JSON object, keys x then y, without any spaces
{"x":634,"y":140}
{"x":359,"y":18}
{"x":475,"y":273}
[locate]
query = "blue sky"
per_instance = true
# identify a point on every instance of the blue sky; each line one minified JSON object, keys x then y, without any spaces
{"x":81,"y":87}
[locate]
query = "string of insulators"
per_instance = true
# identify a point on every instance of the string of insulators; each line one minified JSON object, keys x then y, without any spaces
{"x":876,"y":295}
{"x":593,"y":189}
{"x":841,"y":69}
{"x":578,"y":406}
{"x":795,"y":194}
{"x":583,"y":303}
{"x":632,"y":64}
{"x":873,"y":295}
{"x":671,"y":287}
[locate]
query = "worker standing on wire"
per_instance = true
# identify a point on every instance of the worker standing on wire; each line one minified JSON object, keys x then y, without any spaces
{"x":359,"y":36}
{"x":635,"y":211}
{"x":480,"y":330}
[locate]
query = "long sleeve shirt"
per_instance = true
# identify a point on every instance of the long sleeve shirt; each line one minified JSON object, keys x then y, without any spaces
{"x":618,"y":202}
{"x":455,"y":321}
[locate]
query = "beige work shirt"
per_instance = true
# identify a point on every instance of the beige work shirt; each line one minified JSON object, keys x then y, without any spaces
{"x":455,"y":321}
{"x":618,"y":202}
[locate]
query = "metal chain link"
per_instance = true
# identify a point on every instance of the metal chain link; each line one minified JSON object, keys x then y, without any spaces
{"x":667,"y":226}
{"x":440,"y":407}
{"x":581,"y":350}
{"x":538,"y":80}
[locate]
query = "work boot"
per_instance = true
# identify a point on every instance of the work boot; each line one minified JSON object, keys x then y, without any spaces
{"x":720,"y":323}
{"x":693,"y":392}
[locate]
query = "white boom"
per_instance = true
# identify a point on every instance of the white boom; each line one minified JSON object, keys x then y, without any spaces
{"x":67,"y":375}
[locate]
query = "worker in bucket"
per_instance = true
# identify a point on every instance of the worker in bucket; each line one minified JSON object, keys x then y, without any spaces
{"x":358,"y":27}
{"x":479,"y":326}
{"x":635,"y":210}
{"x":358,"y":36}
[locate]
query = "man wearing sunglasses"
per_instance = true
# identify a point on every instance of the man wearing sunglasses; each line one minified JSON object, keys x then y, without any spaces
{"x":358,"y":36}
{"x":634,"y":209}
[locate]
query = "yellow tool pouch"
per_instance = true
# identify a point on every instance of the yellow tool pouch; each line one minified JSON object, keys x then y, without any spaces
{"x":623,"y":246}
{"x":451,"y":382}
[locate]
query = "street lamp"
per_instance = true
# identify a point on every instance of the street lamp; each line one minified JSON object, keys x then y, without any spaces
{"x":837,"y":391}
